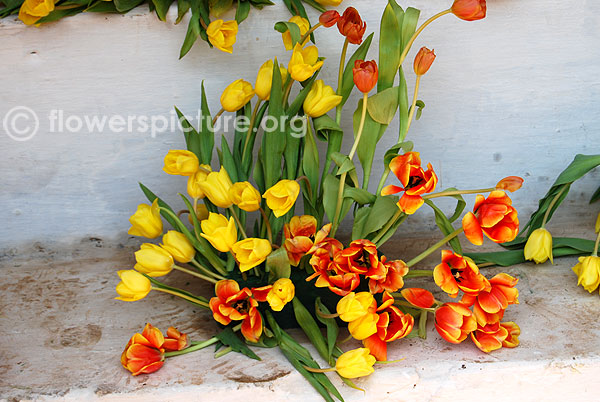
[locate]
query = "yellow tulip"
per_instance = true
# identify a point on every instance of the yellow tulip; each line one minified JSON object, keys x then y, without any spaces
{"x":355,"y":363}
{"x":588,"y":272}
{"x":181,"y":162}
{"x":539,"y":246}
{"x":219,"y":231}
{"x":251,"y":252}
{"x":146,"y":221}
{"x":216,"y":188}
{"x":282,"y":196}
{"x":281,"y":293}
{"x":355,"y":305}
{"x":320,"y":99}
{"x":178,"y":246}
{"x":193,"y":188}
{"x":264,"y":79}
{"x":133,"y":286}
{"x":222,"y":35}
{"x":32,"y":10}
{"x":236,"y":95}
{"x":245,"y":196}
{"x":304,"y":62}
{"x":332,"y":3}
{"x":304,"y":26}
{"x":153,"y":260}
{"x":363,"y":327}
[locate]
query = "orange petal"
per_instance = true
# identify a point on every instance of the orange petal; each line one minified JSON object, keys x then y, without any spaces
{"x":377,"y":347}
{"x":510,"y":183}
{"x":391,"y":189}
{"x":472,"y":229}
{"x":226,"y":288}
{"x":418,"y":297}
{"x":410,"y":203}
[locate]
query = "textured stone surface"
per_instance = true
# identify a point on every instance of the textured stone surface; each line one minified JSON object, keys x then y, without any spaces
{"x":61,"y":335}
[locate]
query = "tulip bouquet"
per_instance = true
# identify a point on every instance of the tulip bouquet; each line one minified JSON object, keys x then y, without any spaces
{"x":273,"y":269}
{"x":218,"y":33}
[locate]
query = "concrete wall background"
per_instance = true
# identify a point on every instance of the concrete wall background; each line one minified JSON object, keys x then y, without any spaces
{"x":515,"y":94}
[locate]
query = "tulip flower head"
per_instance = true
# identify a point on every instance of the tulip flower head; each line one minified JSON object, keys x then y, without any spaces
{"x":469,"y":10}
{"x":329,"y":18}
{"x":355,"y":363}
{"x":459,"y":273}
{"x":539,"y":246}
{"x":178,"y":245}
{"x":363,"y":327}
{"x":304,"y":26}
{"x":454,"y":322}
{"x":193,"y":187}
{"x":320,"y":99}
{"x":236,"y":95}
{"x":181,"y":162}
{"x":352,"y":26}
{"x":304,"y":62}
{"x":251,"y":252}
{"x":282,"y":292}
{"x":264,"y":79}
{"x":510,"y":183}
{"x":133,"y":286}
{"x":365,"y":75}
{"x":222,"y":35}
{"x":32,"y":10}
{"x":356,"y":305}
{"x":144,"y":352}
{"x":220,"y":232}
{"x":423,"y":61}
{"x":493,"y":216}
{"x":489,"y":306}
{"x":153,"y":260}
{"x":332,"y":3}
{"x":393,"y":279}
{"x":489,"y":337}
{"x":282,"y":196}
{"x":299,"y":236}
{"x":146,"y":221}
{"x":245,"y":196}
{"x":588,"y":272}
{"x":216,"y":187}
{"x":175,"y":340}
{"x":512,"y":339}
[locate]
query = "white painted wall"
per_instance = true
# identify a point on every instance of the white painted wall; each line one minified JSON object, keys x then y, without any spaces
{"x":515,"y":94}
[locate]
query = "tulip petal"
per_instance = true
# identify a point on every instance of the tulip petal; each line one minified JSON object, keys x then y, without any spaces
{"x":418,"y":297}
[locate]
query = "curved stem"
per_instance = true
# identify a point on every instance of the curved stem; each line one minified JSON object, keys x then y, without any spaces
{"x":214,"y":120}
{"x":407,"y":304}
{"x":206,"y":270}
{"x":595,"y":253}
{"x":192,"y":348}
{"x":308,"y":33}
{"x":417,"y":32}
{"x":457,"y":192}
{"x":360,"y":126}
{"x":552,"y":203}
{"x":412,"y":108}
{"x":384,"y":176}
{"x":267,"y":224}
{"x":238,"y":223}
{"x":431,"y":249}
{"x":320,"y":370}
{"x":338,"y":109}
{"x":197,"y":275}
{"x":249,"y":133}
{"x":288,"y":88}
{"x":387,"y":226}
{"x":186,"y":297}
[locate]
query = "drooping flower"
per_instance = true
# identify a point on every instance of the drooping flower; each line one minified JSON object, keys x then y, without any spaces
{"x":489,"y":337}
{"x":414,"y":178}
{"x":233,"y":304}
{"x":329,"y":18}
{"x":394,"y":277}
{"x":146,"y":221}
{"x":175,"y":340}
{"x":177,"y":244}
{"x":236,"y":95}
{"x":143,"y":353}
{"x":220,"y":232}
{"x":251,"y":252}
{"x":459,"y":273}
{"x":216,"y":188}
{"x":153,"y":260}
{"x":352,"y":26}
{"x":510,"y":183}
{"x":355,"y":363}
{"x":539,"y":246}
{"x":469,"y":10}
{"x":423,"y":61}
{"x":588,"y":272}
{"x":282,"y":196}
{"x":304,"y":62}
{"x":193,"y":188}
{"x":320,"y":99}
{"x":281,"y":293}
{"x":365,"y":75}
{"x":299,"y":236}
{"x":245,"y":196}
{"x":222,"y":34}
{"x":454,"y":322}
{"x":493,"y":216}
{"x":181,"y":162}
{"x":304,"y":26}
{"x":133,"y":286}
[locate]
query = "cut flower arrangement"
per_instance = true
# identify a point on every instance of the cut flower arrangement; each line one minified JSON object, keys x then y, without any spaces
{"x":290,"y":270}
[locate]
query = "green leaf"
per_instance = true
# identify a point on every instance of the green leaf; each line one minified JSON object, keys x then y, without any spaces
{"x":274,"y":141}
{"x":360,"y":196}
{"x":409,"y":24}
{"x":219,"y":7}
{"x":229,"y":338}
{"x":402,"y":107}
{"x":207,"y":135}
{"x":292,"y":27}
{"x":394,"y":151}
{"x":243,"y":9}
{"x":151,"y":197}
{"x":261,"y":3}
{"x":58,"y":14}
{"x":310,"y":163}
{"x":299,"y":100}
{"x":420,"y":105}
{"x":390,"y":39}
{"x":360,"y":219}
{"x":382,"y":211}
{"x":332,"y":328}
{"x":126,"y":5}
{"x":102,"y":7}
{"x":227,"y":160}
{"x":248,"y":156}
{"x":383,"y":105}
{"x":372,"y":132}
{"x":347,"y":77}
{"x":595,"y":196}
{"x":162,"y":7}
{"x":192,"y":138}
{"x":315,"y":5}
{"x":310,"y":328}
{"x":278,"y":265}
{"x":193,"y":32}
{"x":423,"y":324}
{"x":325,"y":126}
{"x":445,"y":223}
{"x":330,"y":193}
{"x":182,"y":8}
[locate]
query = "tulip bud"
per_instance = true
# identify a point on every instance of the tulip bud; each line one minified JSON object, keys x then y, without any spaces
{"x":193,"y":188}
{"x":264,"y":79}
{"x":236,"y":95}
{"x":146,"y":221}
{"x":32,"y":10}
{"x":320,"y":99}
{"x":222,"y":35}
{"x":363,"y":327}
{"x":178,"y":246}
{"x":469,"y":10}
{"x":153,"y":260}
{"x":245,"y":196}
{"x":423,"y":61}
{"x":352,"y":26}
{"x":304,"y":62}
{"x":220,"y":232}
{"x":143,"y":353}
{"x":588,"y":272}
{"x":282,"y":196}
{"x":510,"y":183}
{"x":281,"y":293}
{"x":251,"y":252}
{"x":181,"y":162}
{"x":133,"y":286}
{"x":304,"y":26}
{"x":355,"y":305}
{"x":355,"y":363}
{"x":216,"y":188}
{"x":365,"y":75}
{"x":454,"y":322}
{"x":175,"y":340}
{"x":539,"y":246}
{"x":329,"y":18}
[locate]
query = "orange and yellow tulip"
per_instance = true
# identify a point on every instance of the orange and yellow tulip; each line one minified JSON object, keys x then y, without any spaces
{"x":299,"y":235}
{"x":175,"y":340}
{"x":493,"y":216}
{"x":418,"y":297}
{"x":423,"y":61}
{"x":489,"y":337}
{"x":489,"y":306}
{"x":510,"y":183}
{"x":143,"y":353}
{"x":394,"y":277}
{"x":454,"y":322}
{"x":459,"y":273}
{"x":469,"y":10}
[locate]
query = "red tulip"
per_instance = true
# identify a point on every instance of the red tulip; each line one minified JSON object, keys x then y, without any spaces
{"x":423,"y":60}
{"x":352,"y":26}
{"x":329,"y":18}
{"x":365,"y":75}
{"x":469,"y":10}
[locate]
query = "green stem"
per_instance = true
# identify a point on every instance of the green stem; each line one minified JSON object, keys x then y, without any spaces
{"x":431,"y":249}
{"x":407,"y":304}
{"x":418,"y":273}
{"x":457,"y":192}
{"x":267,"y":224}
{"x":192,"y":348}
{"x":223,"y":352}
{"x":319,"y":370}
{"x":288,"y":88}
{"x":219,"y":113}
{"x":186,"y":297}
{"x":552,"y":203}
{"x":412,"y":108}
{"x":237,"y":221}
{"x":197,"y":275}
{"x":308,"y":33}
{"x":338,"y":109}
{"x":387,"y":226}
{"x":206,"y":270}
{"x":384,"y":176}
{"x":252,"y":119}
{"x":595,"y":253}
{"x":417,"y":32}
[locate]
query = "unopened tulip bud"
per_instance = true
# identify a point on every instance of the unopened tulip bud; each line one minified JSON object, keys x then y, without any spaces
{"x":153,"y":260}
{"x":469,"y":10}
{"x":133,"y":286}
{"x":365,"y":75}
{"x":146,"y":221}
{"x":220,"y":232}
{"x":251,"y":252}
{"x":320,"y":99}
{"x":423,"y":61}
{"x":245,"y":196}
{"x":282,"y":196}
{"x":539,"y":246}
{"x":329,"y":18}
{"x":355,"y":363}
{"x":588,"y":272}
{"x":177,"y":244}
{"x":236,"y":95}
{"x":510,"y":183}
{"x":222,"y":35}
{"x":352,"y":26}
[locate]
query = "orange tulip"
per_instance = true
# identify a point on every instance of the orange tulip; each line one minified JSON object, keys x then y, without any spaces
{"x":143,"y":353}
{"x":414,"y":178}
{"x":329,"y":18}
{"x":365,"y":75}
{"x":233,"y":304}
{"x":495,"y":217}
{"x":360,"y":258}
{"x":340,"y":284}
{"x":469,"y":10}
{"x":459,"y":273}
{"x":299,"y":236}
{"x":510,"y":183}
{"x":512,"y":340}
{"x":423,"y":61}
{"x":490,"y":337}
{"x":175,"y":340}
{"x":394,"y":277}
{"x":454,"y":322}
{"x":352,"y":26}
{"x":418,"y":297}
{"x":489,"y":306}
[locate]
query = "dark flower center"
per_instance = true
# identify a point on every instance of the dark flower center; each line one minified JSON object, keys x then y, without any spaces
{"x":242,"y":306}
{"x":414,"y":181}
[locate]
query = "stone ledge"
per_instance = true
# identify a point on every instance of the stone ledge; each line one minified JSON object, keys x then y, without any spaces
{"x":62,"y":335}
